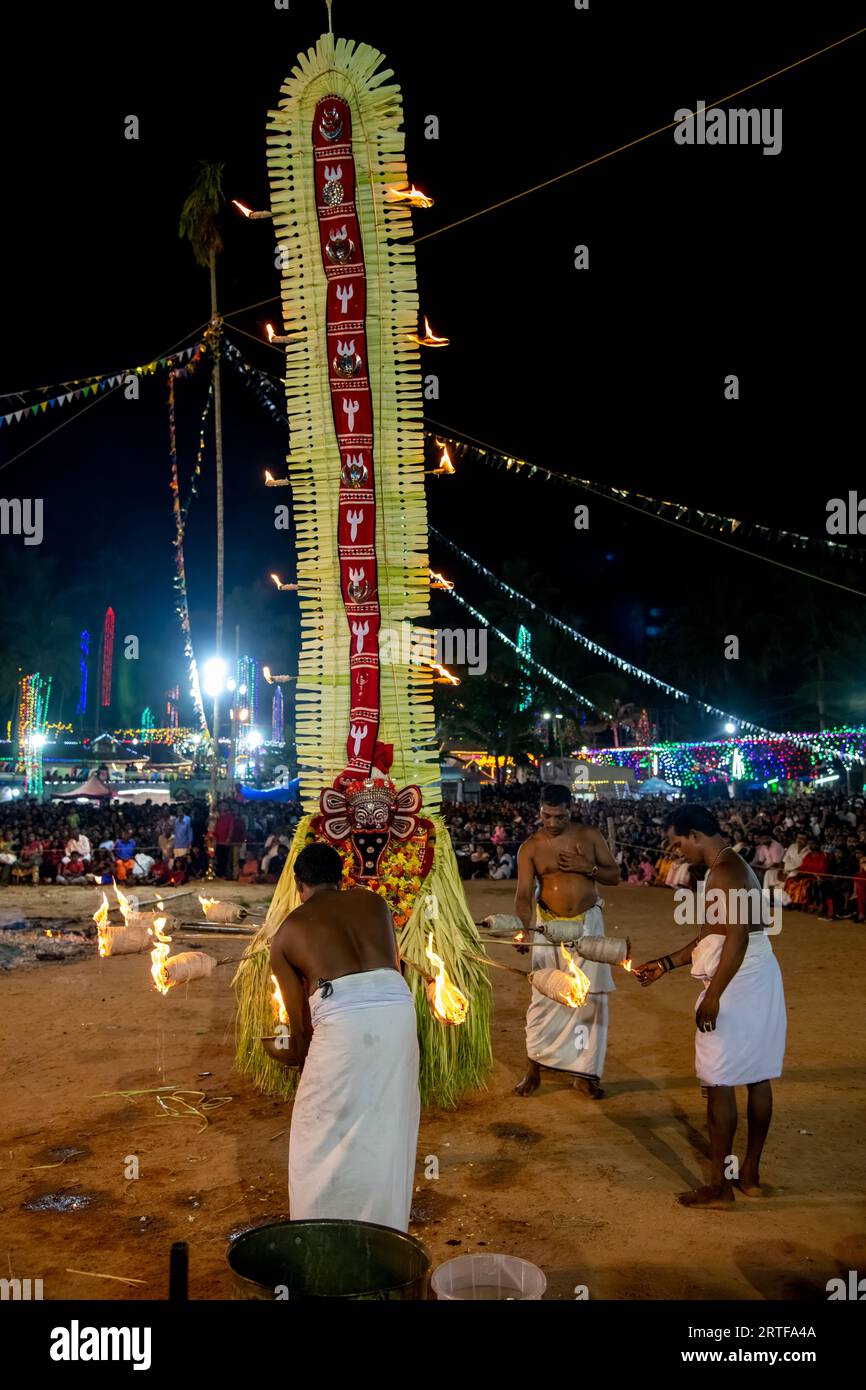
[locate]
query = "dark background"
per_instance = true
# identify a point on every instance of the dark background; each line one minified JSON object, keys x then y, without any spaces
{"x":703,"y":261}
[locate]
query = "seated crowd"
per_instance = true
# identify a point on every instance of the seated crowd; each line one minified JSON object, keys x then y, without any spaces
{"x":143,"y":844}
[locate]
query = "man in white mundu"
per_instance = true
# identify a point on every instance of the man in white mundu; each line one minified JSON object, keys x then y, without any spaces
{"x":354,"y":1037}
{"x":740,"y":1014}
{"x":567,"y":860}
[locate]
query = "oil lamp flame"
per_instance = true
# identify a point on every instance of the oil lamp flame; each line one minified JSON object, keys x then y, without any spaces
{"x":430,"y":338}
{"x":447,"y":1001}
{"x":413,"y":196}
{"x":438,"y":581}
{"x":579,"y":984}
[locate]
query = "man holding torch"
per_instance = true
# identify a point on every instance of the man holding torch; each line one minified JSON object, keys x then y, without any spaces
{"x":740,"y":1015}
{"x":568,"y":860}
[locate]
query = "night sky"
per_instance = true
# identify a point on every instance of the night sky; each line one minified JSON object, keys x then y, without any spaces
{"x":703,"y":261}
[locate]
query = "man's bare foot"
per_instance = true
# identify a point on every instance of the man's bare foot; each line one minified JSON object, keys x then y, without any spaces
{"x":530,"y":1083}
{"x":749,"y":1183}
{"x":588,"y":1086}
{"x":715,"y":1198}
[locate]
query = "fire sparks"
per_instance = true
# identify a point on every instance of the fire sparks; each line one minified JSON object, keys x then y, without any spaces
{"x":413,"y":196}
{"x":103,"y":930}
{"x":446,"y":1000}
{"x":580,"y":983}
{"x":430,"y":338}
{"x":279,"y":1006}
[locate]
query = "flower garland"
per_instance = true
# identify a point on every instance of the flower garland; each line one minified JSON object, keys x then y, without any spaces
{"x":404,"y":867}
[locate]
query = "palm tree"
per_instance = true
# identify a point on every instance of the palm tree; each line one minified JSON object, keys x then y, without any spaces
{"x":199,"y":223}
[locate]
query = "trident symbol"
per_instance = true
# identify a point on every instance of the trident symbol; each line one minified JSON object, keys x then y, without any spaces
{"x":333,"y":175}
{"x":360,"y":631}
{"x":350,"y":409}
{"x":344,"y":294}
{"x":354,"y":519}
{"x":358,"y":733}
{"x":356,"y":576}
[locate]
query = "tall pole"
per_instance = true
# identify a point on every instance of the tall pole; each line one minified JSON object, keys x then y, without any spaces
{"x":218,"y":433}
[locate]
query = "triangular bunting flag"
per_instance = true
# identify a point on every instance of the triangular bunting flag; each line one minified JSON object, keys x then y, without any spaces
{"x":18,"y":415}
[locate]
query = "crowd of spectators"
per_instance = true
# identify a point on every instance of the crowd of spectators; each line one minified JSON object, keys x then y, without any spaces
{"x":810,"y":848}
{"x":146,"y":843}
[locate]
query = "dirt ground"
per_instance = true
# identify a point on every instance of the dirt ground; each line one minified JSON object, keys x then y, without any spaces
{"x":583,"y":1188}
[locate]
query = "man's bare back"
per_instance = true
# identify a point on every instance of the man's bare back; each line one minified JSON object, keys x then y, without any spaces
{"x":337,"y":932}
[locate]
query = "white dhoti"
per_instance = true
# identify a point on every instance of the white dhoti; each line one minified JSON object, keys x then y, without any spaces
{"x":557,"y":1036}
{"x":748,"y":1041}
{"x":354,"y":1129}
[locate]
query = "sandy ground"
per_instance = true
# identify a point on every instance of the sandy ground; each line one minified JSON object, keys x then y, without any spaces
{"x":585,"y":1189}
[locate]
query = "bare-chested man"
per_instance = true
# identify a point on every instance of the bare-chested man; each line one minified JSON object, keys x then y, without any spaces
{"x":568,"y":860}
{"x":353,"y":1034}
{"x":740,"y":1016}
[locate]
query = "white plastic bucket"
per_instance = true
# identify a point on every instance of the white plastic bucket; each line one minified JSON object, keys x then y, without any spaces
{"x":488,"y":1278}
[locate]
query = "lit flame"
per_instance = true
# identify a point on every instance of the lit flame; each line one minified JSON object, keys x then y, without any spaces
{"x":123,"y":903}
{"x":627,"y":964}
{"x":279,"y":1005}
{"x":241,"y":207}
{"x":519,"y":936}
{"x":438,"y":581}
{"x":413,"y":196}
{"x":269,"y":478}
{"x":206,"y":904}
{"x":444,"y":677}
{"x":430,"y":339}
{"x":580,"y":983}
{"x":445,"y":464}
{"x":159,"y":956}
{"x":448,"y":1003}
{"x":103,"y":930}
{"x":277,"y":580}
{"x":266,"y":672}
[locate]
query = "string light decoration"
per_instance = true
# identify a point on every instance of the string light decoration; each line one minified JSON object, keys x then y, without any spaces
{"x":524,"y":646}
{"x":784,"y":757}
{"x":107,"y":656}
{"x":536,"y":665}
{"x":277,"y":716}
{"x":171,"y":707}
{"x":81,"y":707}
{"x":595,"y":647}
{"x":147,"y":724}
{"x":696,"y":517}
